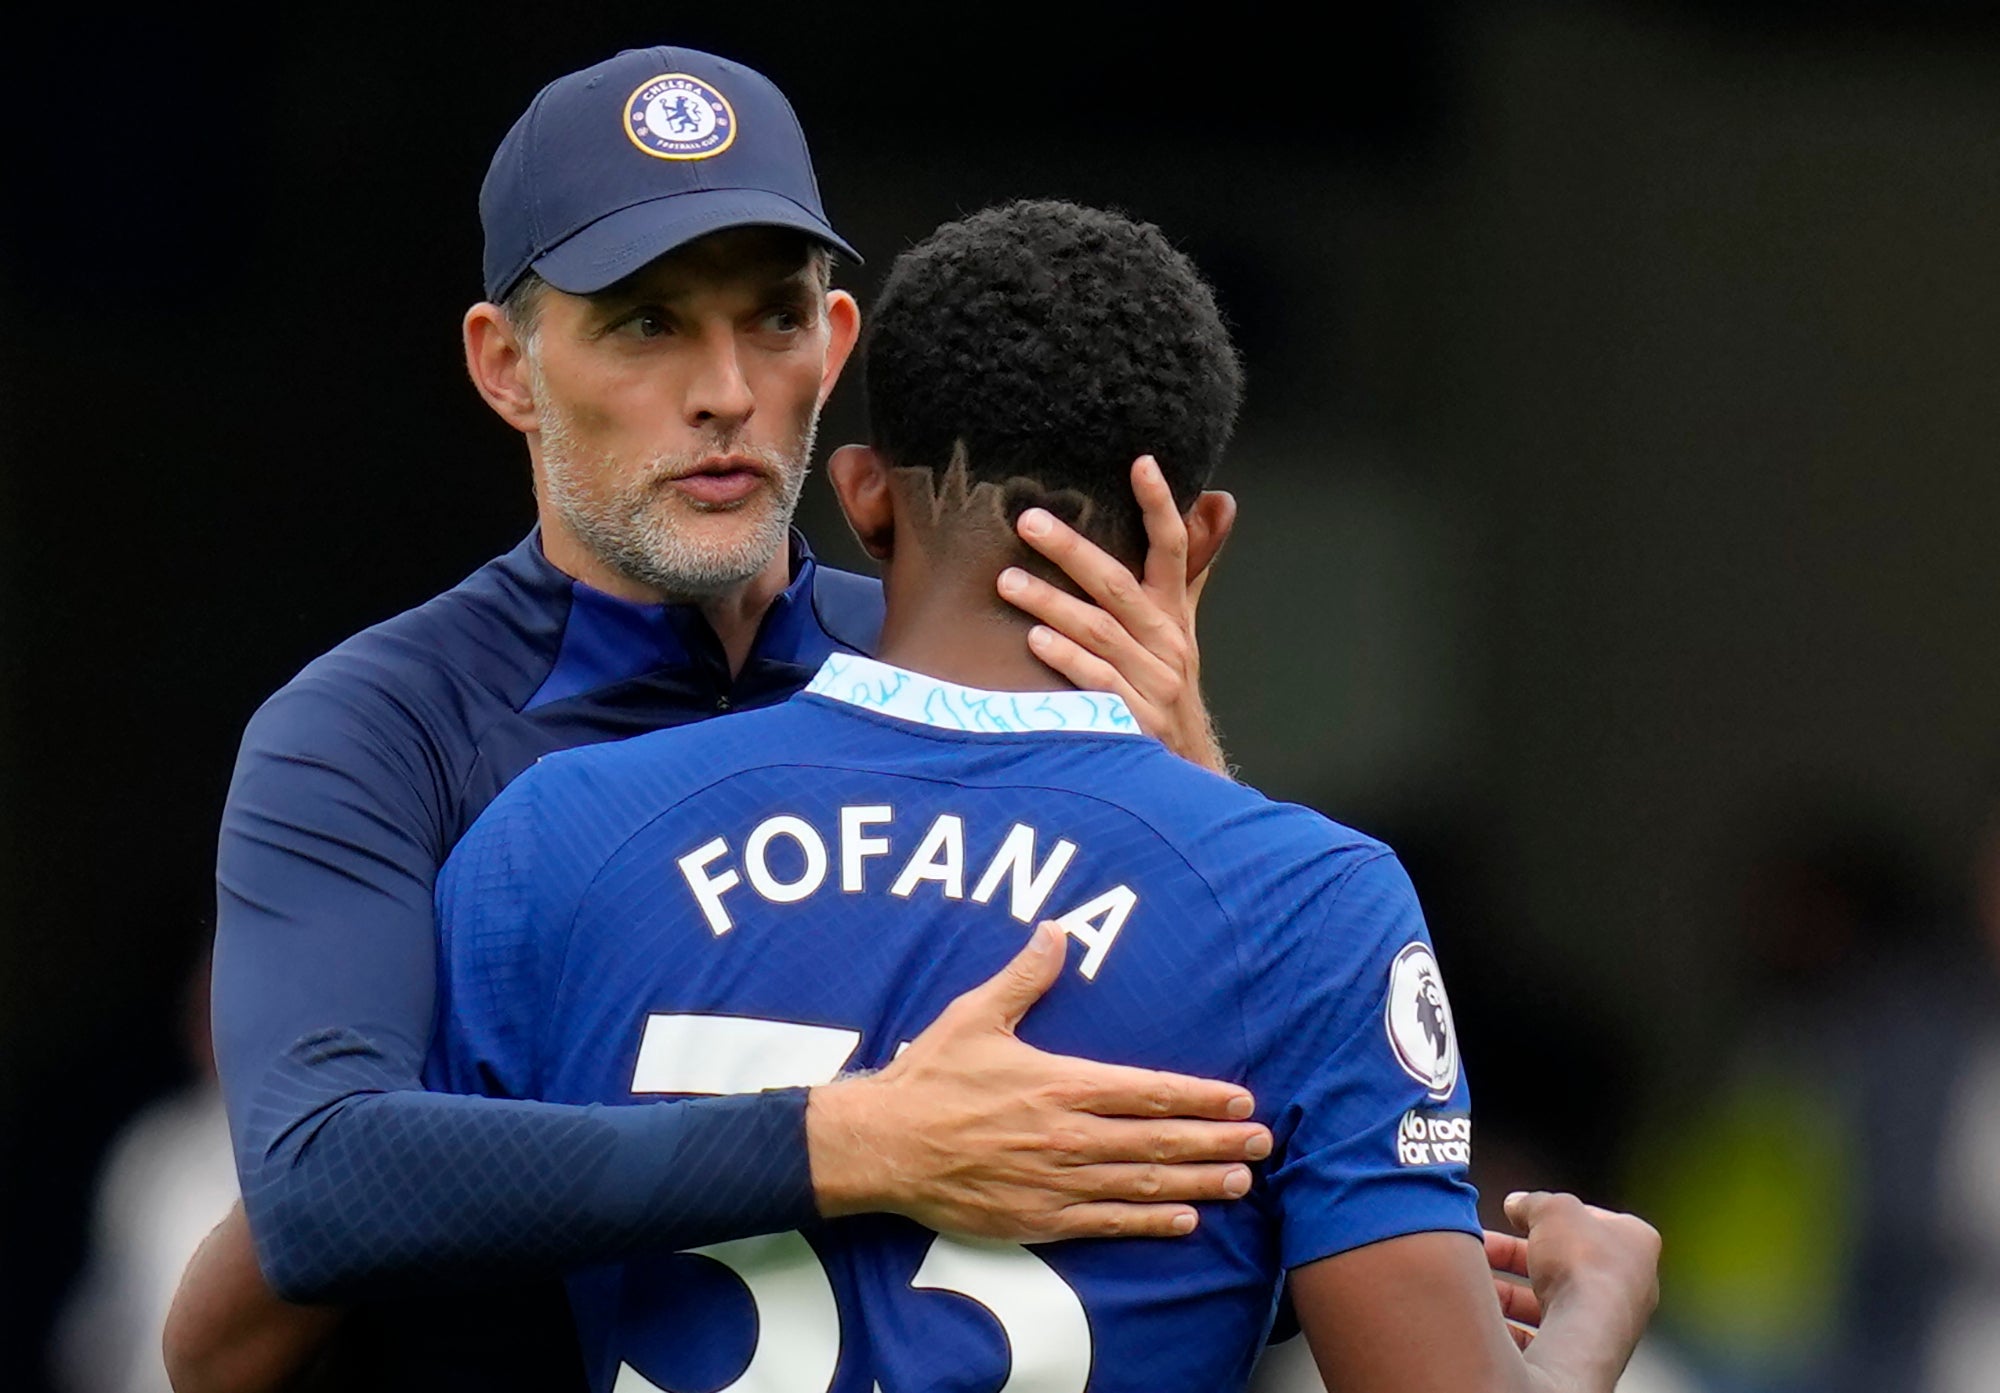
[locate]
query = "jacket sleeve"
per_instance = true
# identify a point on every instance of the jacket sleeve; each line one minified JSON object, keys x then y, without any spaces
{"x":356,"y":1180}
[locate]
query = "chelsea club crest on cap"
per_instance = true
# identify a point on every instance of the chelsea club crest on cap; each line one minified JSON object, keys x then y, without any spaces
{"x":720,"y":147}
{"x":678,"y":117}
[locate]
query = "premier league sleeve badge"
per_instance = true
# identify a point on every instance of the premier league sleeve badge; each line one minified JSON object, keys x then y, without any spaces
{"x":1418,"y":1017}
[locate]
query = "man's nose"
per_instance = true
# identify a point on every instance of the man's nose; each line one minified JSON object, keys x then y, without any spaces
{"x":718,"y":393}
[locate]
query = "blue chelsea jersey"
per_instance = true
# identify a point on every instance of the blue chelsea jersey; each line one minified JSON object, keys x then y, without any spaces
{"x":774,"y":899}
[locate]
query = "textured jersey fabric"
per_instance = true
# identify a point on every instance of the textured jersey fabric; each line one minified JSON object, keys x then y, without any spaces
{"x":352,"y":785}
{"x":801,"y":890}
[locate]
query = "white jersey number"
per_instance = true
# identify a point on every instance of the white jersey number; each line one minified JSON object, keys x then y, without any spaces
{"x":1048,"y":1334}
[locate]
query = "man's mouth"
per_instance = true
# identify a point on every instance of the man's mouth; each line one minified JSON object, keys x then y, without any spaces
{"x":721,"y":480}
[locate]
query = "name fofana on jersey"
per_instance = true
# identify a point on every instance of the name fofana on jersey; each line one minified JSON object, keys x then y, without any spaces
{"x":714,"y":870}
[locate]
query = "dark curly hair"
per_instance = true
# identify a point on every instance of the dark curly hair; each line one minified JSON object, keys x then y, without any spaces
{"x":1048,"y":345}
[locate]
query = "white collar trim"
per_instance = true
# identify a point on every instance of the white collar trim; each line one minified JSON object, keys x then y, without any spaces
{"x":911,"y":696}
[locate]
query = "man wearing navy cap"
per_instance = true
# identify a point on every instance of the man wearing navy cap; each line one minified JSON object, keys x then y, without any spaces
{"x":659,"y":327}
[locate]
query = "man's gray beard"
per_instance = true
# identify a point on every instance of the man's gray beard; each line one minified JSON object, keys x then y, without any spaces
{"x":628,"y":530}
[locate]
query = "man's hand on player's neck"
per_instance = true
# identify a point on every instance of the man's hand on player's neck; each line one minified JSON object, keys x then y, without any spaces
{"x":1132,"y":635}
{"x":971,"y":1131}
{"x":1138,"y":638}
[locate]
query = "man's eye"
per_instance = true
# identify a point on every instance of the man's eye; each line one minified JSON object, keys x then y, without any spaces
{"x":646,"y":324}
{"x":784,"y":320}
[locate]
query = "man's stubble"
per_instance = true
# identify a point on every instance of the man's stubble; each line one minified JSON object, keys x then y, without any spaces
{"x":631,"y":526}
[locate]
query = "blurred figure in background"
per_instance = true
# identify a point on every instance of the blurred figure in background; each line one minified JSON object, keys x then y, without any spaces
{"x":1959,"y":1247}
{"x":168,"y":1178}
{"x":1793,"y":1261}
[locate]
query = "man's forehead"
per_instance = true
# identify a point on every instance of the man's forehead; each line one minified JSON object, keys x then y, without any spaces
{"x":736,"y":255}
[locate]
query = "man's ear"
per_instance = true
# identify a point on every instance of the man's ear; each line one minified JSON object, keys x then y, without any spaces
{"x":498,"y":365}
{"x":1208,"y":525}
{"x":843,"y":324}
{"x":861,"y":482}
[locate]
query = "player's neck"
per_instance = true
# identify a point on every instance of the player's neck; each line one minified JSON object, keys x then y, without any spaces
{"x":955,"y":627}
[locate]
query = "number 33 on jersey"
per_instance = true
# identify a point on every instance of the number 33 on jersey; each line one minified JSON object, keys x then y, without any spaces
{"x":795,"y":1324}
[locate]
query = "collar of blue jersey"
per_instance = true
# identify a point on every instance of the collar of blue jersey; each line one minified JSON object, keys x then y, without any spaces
{"x":606,"y":639}
{"x":911,"y":696}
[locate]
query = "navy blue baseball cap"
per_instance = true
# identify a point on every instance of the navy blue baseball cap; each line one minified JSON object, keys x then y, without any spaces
{"x":622,"y":162}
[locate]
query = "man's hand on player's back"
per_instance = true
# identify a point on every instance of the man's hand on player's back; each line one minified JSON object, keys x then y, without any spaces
{"x":972,"y":1131}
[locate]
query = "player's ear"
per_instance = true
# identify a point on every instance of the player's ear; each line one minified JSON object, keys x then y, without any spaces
{"x":495,"y":359}
{"x":861,"y":482}
{"x":843,"y":324}
{"x":1208,"y":524}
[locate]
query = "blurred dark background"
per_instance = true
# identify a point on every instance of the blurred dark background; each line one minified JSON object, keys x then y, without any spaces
{"x":1618,"y":484}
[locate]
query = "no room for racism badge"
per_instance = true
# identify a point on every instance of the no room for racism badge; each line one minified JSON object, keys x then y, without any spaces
{"x":677,"y":117}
